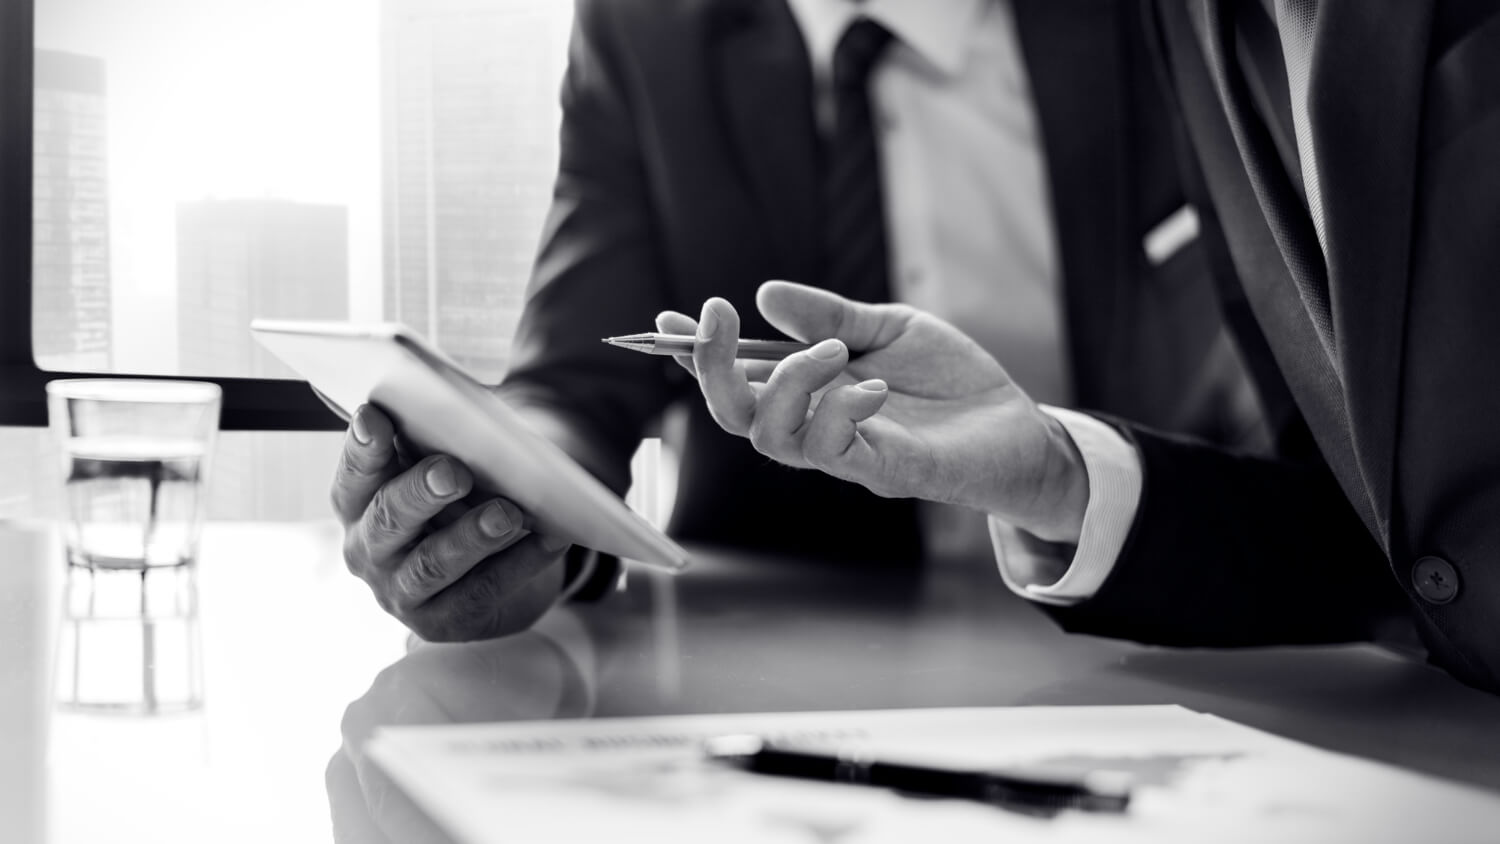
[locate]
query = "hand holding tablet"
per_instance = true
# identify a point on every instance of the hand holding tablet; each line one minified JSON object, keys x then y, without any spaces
{"x":412,"y":530}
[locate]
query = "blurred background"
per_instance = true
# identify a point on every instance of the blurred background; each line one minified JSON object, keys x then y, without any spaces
{"x":199,"y":163}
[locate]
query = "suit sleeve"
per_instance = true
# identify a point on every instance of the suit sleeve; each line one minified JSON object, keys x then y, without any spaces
{"x":599,"y":272}
{"x":1235,"y":550}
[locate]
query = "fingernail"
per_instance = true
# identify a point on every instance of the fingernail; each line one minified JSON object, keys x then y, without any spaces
{"x":708,"y":323}
{"x":827,"y":350}
{"x":494,"y":521}
{"x":440,"y":479}
{"x":361,"y":428}
{"x":553,"y":544}
{"x":874,"y":385}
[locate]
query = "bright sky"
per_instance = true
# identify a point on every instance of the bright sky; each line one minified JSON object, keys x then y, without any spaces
{"x":227,"y":98}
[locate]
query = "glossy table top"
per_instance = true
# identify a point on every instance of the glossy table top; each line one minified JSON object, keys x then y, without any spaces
{"x":299,"y":663}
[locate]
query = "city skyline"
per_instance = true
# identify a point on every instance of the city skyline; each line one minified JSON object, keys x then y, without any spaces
{"x":320,"y":128}
{"x":469,"y":96}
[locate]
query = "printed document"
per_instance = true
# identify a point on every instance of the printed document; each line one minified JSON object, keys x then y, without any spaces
{"x":1196,"y":778}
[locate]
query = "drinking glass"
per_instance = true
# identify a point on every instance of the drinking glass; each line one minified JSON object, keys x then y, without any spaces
{"x":135,"y":466}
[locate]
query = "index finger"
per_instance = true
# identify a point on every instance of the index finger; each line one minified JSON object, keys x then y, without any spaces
{"x":726,"y":388}
{"x":811,"y":314}
{"x":672,"y":322}
{"x":366,"y":463}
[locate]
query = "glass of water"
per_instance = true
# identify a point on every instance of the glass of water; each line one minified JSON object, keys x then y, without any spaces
{"x":135,"y":464}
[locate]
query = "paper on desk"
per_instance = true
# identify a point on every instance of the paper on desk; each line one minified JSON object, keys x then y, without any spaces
{"x":1199,"y":778}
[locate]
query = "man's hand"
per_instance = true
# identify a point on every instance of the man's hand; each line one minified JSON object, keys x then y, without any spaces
{"x":449,"y":568}
{"x":921,"y":411}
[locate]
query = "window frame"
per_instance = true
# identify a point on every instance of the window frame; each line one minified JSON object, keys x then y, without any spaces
{"x":249,"y":404}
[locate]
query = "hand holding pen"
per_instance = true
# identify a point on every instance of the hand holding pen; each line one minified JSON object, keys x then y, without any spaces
{"x":893,"y":399}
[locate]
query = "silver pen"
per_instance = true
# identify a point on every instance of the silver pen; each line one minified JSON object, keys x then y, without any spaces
{"x":682,"y":344}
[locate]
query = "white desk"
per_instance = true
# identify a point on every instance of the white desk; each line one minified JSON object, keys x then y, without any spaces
{"x":290,"y":640}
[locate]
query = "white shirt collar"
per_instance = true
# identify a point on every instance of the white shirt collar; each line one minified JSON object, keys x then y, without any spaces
{"x":937,"y":30}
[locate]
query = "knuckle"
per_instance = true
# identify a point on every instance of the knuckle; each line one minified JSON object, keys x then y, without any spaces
{"x":336,"y":499}
{"x":355,"y":557}
{"x":344,"y":468}
{"x":385,"y":520}
{"x":840,"y":321}
{"x":818,"y":455}
{"x":733,"y":426}
{"x":352,"y":465}
{"x":763,"y":439}
{"x":384,"y":601}
{"x":344,"y":478}
{"x":420,"y":572}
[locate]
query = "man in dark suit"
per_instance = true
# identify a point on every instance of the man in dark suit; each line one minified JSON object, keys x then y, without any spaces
{"x":710,"y":144}
{"x":1350,"y":151}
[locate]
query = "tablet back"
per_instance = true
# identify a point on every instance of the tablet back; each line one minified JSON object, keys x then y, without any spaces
{"x":440,"y":408}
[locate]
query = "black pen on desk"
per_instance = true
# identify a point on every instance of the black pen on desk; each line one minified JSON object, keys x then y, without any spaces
{"x":682,"y":344}
{"x":1098,"y":792}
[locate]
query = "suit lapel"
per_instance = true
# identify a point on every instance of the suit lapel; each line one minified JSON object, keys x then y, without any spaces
{"x":1262,"y":268}
{"x":1287,"y":218}
{"x":764,"y":80}
{"x":1073,"y":58}
{"x":1367,"y":82}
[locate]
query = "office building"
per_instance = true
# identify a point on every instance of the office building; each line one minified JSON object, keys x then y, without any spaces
{"x":469,"y":94}
{"x":70,"y":257}
{"x":70,"y":214}
{"x":242,"y":259}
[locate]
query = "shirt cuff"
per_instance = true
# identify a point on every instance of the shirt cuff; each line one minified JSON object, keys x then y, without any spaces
{"x":1043,"y":571}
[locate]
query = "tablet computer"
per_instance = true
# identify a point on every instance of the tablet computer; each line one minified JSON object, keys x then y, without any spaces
{"x":441,"y":408}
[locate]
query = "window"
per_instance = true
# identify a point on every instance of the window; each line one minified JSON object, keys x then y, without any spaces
{"x":199,"y":163}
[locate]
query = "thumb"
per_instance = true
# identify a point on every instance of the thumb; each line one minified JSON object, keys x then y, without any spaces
{"x":810,"y":314}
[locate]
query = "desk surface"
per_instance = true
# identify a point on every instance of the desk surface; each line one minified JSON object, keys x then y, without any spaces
{"x":298,"y":659}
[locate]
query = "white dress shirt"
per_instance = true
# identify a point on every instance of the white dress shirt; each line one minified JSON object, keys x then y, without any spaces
{"x":972,"y":239}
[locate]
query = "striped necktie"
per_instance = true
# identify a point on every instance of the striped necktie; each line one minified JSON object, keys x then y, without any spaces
{"x":855,"y":261}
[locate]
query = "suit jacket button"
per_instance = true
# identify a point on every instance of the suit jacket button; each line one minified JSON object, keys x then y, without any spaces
{"x":1435,"y":580}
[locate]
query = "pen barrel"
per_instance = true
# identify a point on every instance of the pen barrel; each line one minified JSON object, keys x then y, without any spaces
{"x":932,"y":782}
{"x":768,"y":349}
{"x":792,"y":763}
{"x":1031,"y":790}
{"x":684,"y":344}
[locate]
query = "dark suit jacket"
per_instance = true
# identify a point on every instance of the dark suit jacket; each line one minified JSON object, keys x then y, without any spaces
{"x":690,"y":168}
{"x":1406,"y":412}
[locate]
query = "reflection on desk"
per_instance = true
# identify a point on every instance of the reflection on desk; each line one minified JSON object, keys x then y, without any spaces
{"x":288,"y":637}
{"x":745,"y":633}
